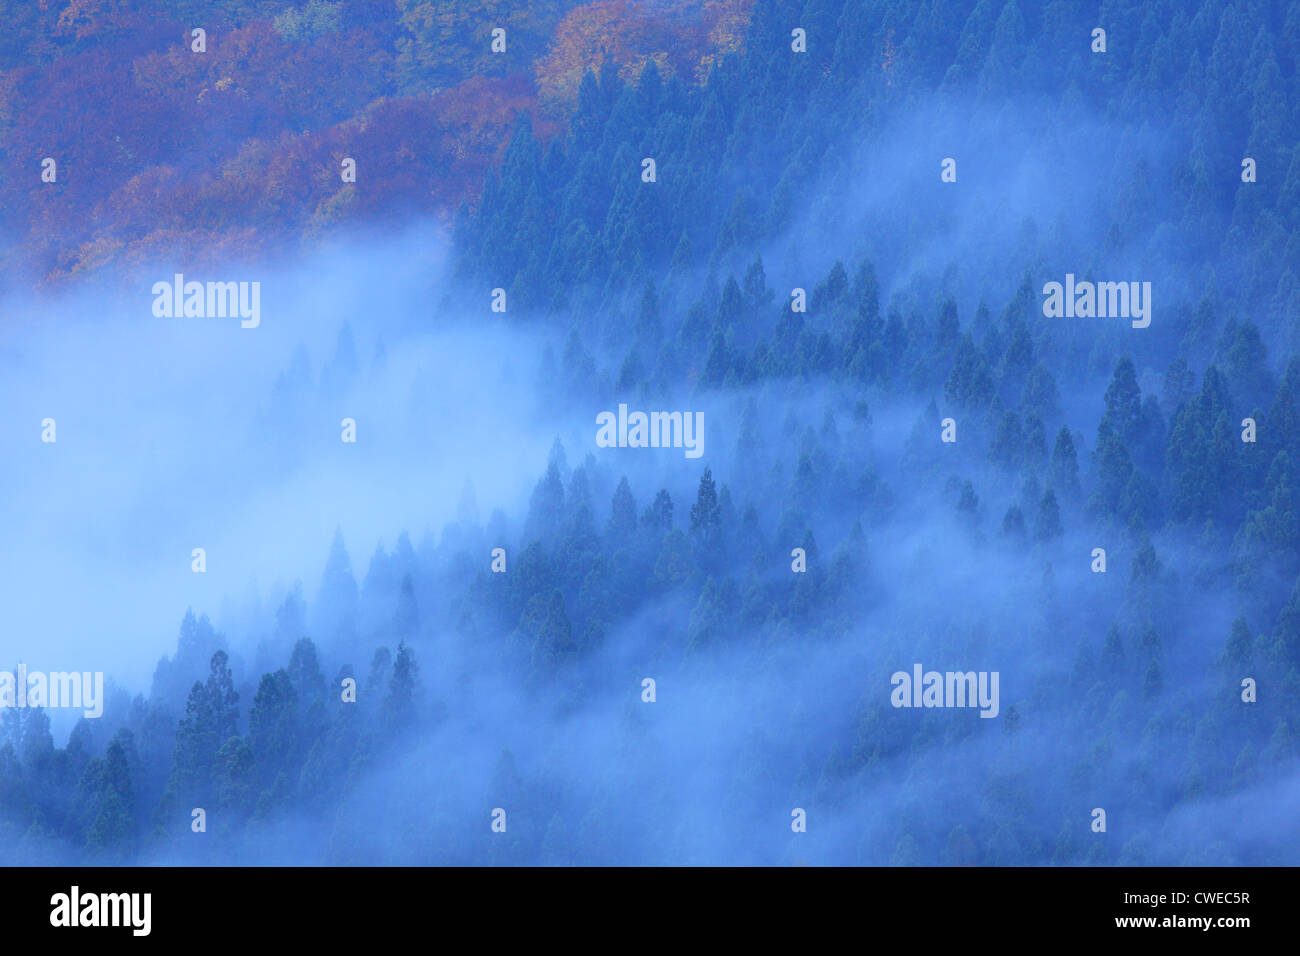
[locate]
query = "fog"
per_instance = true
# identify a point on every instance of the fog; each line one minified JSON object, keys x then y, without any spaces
{"x":180,"y":433}
{"x":174,"y":434}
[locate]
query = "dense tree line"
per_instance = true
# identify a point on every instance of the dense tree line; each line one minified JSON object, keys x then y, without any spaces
{"x":665,"y":291}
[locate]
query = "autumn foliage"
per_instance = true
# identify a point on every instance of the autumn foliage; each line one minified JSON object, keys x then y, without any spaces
{"x":682,"y":40}
{"x":238,"y":149}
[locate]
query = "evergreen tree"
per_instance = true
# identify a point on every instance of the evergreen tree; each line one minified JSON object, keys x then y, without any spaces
{"x":403,"y":690}
{"x":273,"y":723}
{"x":305,"y":673}
{"x":622,"y":514}
{"x":659,"y":516}
{"x":1063,"y":470}
{"x":705,"y":514}
{"x":223,"y":701}
{"x":112,"y":831}
{"x":1047,"y":524}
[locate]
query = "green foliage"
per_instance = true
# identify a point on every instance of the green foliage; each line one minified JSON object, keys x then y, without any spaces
{"x":314,"y":19}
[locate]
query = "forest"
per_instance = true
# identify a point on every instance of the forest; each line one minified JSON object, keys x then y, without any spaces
{"x":839,"y":262}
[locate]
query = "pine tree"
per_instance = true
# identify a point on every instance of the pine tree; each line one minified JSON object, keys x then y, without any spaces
{"x":550,"y":621}
{"x":112,"y":831}
{"x":273,"y":723}
{"x":406,"y":618}
{"x":305,"y":673}
{"x":336,"y":604}
{"x":1063,"y":470}
{"x":546,"y":507}
{"x":659,"y":516}
{"x":1047,"y":525}
{"x":381,"y":667}
{"x":1013,"y":524}
{"x":1124,"y":404}
{"x":403,"y":690}
{"x":1238,"y":649}
{"x":705,"y":514}
{"x":622,"y":512}
{"x":196,"y":744}
{"x":223,"y":701}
